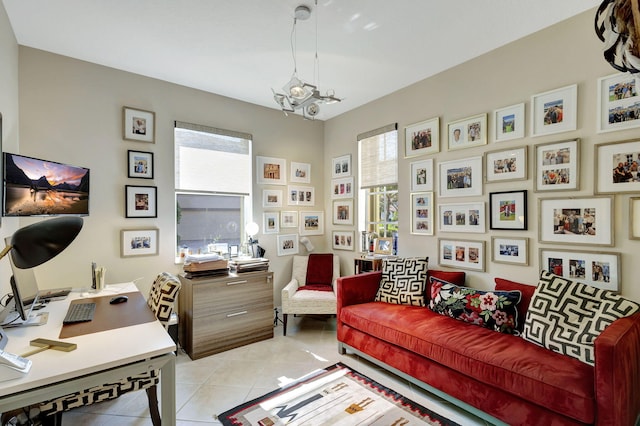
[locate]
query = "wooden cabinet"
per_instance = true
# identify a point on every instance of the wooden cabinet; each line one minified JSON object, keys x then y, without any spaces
{"x":220,"y":313}
{"x":362,"y":264}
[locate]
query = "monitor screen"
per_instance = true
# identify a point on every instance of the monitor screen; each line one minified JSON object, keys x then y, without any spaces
{"x":34,"y":187}
{"x":24,"y":288}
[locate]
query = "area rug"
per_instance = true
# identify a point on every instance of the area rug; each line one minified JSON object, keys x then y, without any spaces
{"x":336,"y":395}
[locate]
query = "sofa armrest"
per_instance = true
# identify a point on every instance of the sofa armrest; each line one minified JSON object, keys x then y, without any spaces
{"x":287,"y":293}
{"x":617,"y":372}
{"x":356,"y":289}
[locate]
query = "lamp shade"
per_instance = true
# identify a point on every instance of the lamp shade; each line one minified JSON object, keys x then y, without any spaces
{"x":35,"y":244}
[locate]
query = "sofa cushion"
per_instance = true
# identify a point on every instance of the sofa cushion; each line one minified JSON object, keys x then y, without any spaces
{"x":527,"y":293}
{"x":521,"y":368}
{"x":495,"y":310}
{"x":454,"y":277}
{"x":403,"y":281}
{"x":567,"y":316}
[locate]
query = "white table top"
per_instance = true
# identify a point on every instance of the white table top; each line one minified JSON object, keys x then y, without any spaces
{"x":95,"y":352}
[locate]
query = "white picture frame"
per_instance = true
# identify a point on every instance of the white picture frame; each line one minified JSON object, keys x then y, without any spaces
{"x":509,"y":123}
{"x":462,"y":217}
{"x":422,"y":175}
{"x":461,"y":178}
{"x":341,"y":166}
{"x":343,"y":212}
{"x":139,"y":242}
{"x":343,"y":240}
{"x":597,"y":269}
{"x":422,"y":138}
{"x":138,"y":125}
{"x":462,"y":254}
{"x":506,"y":165}
{"x":287,"y":244}
{"x":301,"y":195}
{"x":618,"y":94}
{"x":342,"y":188}
{"x":514,"y":251}
{"x":288,"y":219}
{"x":300,"y":172}
{"x":270,"y":223}
{"x":422,"y":212}
{"x":271,"y":171}
{"x":271,"y":198}
{"x":467,"y":132}
{"x":617,"y":167}
{"x":311,"y":223}
{"x":554,"y":111}
{"x":557,"y":166}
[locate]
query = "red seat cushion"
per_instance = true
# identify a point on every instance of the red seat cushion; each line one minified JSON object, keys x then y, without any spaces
{"x":320,"y":269}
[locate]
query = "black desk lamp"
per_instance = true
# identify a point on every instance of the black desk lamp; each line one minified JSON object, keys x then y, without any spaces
{"x":35,"y":244}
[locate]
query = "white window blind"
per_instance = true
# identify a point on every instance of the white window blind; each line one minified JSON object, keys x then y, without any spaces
{"x":212,"y":160}
{"x":379,"y":157}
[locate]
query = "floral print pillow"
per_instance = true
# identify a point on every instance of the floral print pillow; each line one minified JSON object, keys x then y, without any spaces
{"x":496,"y":310}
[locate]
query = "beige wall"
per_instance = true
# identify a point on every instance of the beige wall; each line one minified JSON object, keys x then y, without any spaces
{"x":71,"y":111}
{"x":561,"y":55}
{"x":9,"y":111}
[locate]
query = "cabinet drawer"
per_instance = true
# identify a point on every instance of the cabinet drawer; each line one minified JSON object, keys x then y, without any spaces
{"x":228,"y":295}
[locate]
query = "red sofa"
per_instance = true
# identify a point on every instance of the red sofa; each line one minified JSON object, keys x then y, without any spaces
{"x":499,"y":374}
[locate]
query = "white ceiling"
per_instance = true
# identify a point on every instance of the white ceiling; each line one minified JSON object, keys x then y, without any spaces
{"x":241,"y":48}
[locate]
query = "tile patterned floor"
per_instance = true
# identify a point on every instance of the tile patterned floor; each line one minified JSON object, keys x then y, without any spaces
{"x":219,"y":382}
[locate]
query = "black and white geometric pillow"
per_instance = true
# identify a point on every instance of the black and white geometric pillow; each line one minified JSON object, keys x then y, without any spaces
{"x":566,"y":316}
{"x":403,"y":281}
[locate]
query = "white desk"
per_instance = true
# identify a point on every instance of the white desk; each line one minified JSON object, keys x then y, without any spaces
{"x":100,"y":358}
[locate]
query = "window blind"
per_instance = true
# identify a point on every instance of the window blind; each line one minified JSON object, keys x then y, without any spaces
{"x":378,"y":154}
{"x":212,"y":160}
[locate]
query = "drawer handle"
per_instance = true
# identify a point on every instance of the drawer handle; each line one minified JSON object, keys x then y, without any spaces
{"x":237,"y":282}
{"x":236,"y":314}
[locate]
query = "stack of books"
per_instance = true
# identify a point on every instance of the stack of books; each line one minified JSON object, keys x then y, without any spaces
{"x":204,"y":265}
{"x":248,"y":264}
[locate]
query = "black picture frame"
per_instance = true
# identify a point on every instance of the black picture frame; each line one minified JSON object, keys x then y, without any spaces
{"x":141,"y":201}
{"x":508,"y":210}
{"x":140,"y":164}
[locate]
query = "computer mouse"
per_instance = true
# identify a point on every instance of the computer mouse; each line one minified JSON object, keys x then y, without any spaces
{"x":119,"y":299}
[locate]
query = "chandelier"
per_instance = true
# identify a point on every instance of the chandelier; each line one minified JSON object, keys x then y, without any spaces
{"x":298,"y":94}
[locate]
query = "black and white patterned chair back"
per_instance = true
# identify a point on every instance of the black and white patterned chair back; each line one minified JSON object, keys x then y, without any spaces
{"x":162,"y":296}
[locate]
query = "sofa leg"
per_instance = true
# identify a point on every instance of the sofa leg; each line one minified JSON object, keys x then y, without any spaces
{"x":284,"y":323}
{"x":341,"y":349}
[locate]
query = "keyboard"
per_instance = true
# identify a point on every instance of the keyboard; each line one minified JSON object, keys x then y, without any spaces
{"x":80,"y":312}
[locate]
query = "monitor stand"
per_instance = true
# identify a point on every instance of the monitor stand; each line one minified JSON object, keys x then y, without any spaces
{"x":9,"y":317}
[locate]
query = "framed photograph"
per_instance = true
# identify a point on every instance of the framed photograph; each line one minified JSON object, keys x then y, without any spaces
{"x":617,"y":167}
{"x":140,"y":164}
{"x":510,"y":250}
{"x":422,"y":138}
{"x":422,"y":213}
{"x":618,"y":101}
{"x":506,"y":165}
{"x":462,"y":217}
{"x":461,"y":178}
{"x":422,"y":175}
{"x":139,"y":242}
{"x":463,"y":254}
{"x":270,"y":223}
{"x":141,"y":201}
{"x":138,"y":125}
{"x":554,"y":111}
{"x":311,"y":223}
{"x":341,"y":166}
{"x":271,"y":171}
{"x":271,"y":198}
{"x":634,"y":218}
{"x":343,"y":240}
{"x":301,"y":196}
{"x":467,"y":132}
{"x":576,"y":220}
{"x":383,"y":246}
{"x":287,"y":244}
{"x":288,"y":219}
{"x":300,"y":173}
{"x":597,"y":269}
{"x":508,"y":123}
{"x":558,"y":166}
{"x":508,"y":210}
{"x":343,"y":212}
{"x":342,"y":187}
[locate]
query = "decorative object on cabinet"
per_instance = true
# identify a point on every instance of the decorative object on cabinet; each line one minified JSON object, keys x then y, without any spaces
{"x":508,"y":123}
{"x":617,"y":167}
{"x":141,"y":201}
{"x":138,"y":125}
{"x":221,"y":313}
{"x":271,"y":171}
{"x":554,"y":111}
{"x":576,"y":220}
{"x":140,"y":164}
{"x":506,"y":165}
{"x":461,"y":178}
{"x":422,"y":212}
{"x":510,"y":250}
{"x":383,"y":246}
{"x":508,"y":210}
{"x":467,"y":132}
{"x":558,"y":166}
{"x":598,"y":269}
{"x":422,"y":138}
{"x":139,"y":242}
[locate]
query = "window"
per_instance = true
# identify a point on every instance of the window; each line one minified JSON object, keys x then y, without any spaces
{"x":378,"y":168}
{"x":212,"y":187}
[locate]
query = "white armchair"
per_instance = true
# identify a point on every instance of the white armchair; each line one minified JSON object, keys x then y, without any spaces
{"x":307,"y":302}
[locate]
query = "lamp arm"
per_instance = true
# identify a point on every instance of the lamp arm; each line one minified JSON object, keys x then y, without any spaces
{"x":5,"y":251}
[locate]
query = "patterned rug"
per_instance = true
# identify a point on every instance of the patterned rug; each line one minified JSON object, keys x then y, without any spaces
{"x":336,"y":395}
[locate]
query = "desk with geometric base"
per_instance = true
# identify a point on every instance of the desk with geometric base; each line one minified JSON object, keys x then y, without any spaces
{"x":99,"y":358}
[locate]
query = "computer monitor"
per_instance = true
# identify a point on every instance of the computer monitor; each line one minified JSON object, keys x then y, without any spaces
{"x":25,"y":291}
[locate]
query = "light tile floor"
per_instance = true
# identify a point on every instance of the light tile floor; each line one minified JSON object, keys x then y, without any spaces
{"x":219,"y":382}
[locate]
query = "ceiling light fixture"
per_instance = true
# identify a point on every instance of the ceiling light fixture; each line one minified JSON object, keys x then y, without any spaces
{"x":298,"y":94}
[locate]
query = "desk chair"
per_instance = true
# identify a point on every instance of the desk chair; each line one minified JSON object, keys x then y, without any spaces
{"x":161,"y":299}
{"x":319,"y":273}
